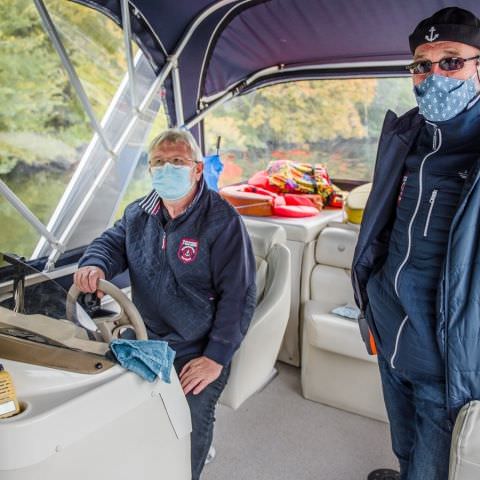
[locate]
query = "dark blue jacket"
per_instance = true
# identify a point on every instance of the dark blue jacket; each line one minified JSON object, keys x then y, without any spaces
{"x":193,"y":280}
{"x":458,"y":297}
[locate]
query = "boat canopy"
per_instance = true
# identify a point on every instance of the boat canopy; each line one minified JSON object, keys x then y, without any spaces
{"x":197,"y":54}
{"x":233,"y":46}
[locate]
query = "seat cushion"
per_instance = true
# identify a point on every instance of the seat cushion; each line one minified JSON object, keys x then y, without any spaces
{"x":335,"y":247}
{"x":331,"y":332}
{"x":264,"y":236}
{"x":331,"y":287}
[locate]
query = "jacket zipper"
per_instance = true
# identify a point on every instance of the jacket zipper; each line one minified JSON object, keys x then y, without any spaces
{"x":397,"y":339}
{"x":402,"y":188}
{"x":432,"y":203}
{"x":437,"y":143}
{"x":436,"y":147}
{"x":164,"y":240}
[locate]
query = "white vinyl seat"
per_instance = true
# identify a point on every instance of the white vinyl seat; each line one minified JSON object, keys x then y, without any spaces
{"x":253,"y":363}
{"x":465,"y":449}
{"x":336,"y":369}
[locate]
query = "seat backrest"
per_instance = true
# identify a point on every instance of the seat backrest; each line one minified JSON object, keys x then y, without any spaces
{"x":263,"y":237}
{"x":330,"y":281}
{"x":254,"y":361}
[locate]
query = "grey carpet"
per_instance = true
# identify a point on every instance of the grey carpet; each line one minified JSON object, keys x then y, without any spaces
{"x":278,"y":435}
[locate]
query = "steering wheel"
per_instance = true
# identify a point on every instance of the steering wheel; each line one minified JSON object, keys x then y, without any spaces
{"x":111,"y":327}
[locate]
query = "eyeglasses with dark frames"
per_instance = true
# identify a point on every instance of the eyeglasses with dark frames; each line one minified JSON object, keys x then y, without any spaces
{"x":447,"y":64}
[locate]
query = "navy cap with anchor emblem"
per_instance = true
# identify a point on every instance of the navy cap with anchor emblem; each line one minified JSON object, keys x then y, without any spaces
{"x":449,"y":24}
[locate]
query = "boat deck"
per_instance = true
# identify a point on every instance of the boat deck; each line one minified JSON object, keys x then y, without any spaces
{"x":278,"y":435}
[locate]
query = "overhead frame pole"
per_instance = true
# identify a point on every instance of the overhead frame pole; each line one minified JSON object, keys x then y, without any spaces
{"x":72,"y":74}
{"x":221,"y":98}
{"x":231,"y":93}
{"x":28,"y":215}
{"x":203,"y":113}
{"x":84,"y":161}
{"x":67,"y":232}
{"x":127,"y":35}
{"x":177,"y":96}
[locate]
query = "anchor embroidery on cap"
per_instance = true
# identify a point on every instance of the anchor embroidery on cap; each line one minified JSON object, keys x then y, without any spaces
{"x":432,"y":37}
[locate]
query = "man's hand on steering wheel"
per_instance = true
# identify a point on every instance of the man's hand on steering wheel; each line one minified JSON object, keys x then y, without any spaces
{"x":86,"y":279}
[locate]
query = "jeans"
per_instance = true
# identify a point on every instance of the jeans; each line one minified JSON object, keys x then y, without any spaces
{"x":419,"y":425}
{"x":202,"y":411}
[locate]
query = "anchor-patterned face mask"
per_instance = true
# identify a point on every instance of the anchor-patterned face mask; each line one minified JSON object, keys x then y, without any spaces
{"x":441,"y":98}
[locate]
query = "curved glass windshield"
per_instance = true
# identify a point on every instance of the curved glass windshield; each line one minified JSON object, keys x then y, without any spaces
{"x":37,"y":312}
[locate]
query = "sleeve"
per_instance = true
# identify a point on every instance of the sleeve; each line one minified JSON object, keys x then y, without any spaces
{"x":108,"y":252}
{"x":234,"y":271}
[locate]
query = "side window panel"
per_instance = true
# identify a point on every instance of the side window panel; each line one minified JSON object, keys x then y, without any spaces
{"x":335,"y":122}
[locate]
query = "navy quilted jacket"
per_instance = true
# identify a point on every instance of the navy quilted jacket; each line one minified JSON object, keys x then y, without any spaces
{"x":458,"y":297}
{"x":193,"y":281}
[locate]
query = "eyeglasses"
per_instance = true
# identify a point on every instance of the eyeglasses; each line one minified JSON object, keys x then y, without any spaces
{"x":175,"y":161}
{"x":447,"y":64}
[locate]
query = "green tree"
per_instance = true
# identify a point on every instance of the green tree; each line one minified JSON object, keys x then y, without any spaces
{"x":36,"y":98}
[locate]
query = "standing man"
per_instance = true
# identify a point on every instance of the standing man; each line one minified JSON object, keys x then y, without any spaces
{"x":417,"y":263}
{"x":192,"y":272}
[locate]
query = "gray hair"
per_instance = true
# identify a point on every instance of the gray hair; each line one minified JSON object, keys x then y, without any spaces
{"x":176,"y":135}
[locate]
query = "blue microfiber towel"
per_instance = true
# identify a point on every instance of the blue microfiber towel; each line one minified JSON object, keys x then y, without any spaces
{"x":147,"y":358}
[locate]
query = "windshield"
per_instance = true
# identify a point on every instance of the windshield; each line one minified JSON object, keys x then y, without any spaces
{"x":37,"y":312}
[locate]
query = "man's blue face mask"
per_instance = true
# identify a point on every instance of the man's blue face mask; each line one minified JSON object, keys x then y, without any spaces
{"x":172,"y":182}
{"x":441,"y":98}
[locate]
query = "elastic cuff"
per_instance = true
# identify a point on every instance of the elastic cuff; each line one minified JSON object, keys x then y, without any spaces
{"x":219,"y":352}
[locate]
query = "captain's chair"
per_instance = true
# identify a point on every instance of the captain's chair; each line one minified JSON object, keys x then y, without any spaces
{"x":253,"y":363}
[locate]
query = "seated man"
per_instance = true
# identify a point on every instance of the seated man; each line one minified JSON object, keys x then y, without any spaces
{"x":192,"y":272}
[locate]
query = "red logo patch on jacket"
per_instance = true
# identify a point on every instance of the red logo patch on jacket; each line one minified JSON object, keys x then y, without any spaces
{"x":188,"y":249}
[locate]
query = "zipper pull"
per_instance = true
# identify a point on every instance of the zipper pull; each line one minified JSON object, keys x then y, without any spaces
{"x":164,"y":241}
{"x":431,"y":202}
{"x":435,"y":138}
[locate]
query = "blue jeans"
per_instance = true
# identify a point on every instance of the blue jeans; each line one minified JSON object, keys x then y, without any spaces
{"x":419,"y":424}
{"x":202,"y":411}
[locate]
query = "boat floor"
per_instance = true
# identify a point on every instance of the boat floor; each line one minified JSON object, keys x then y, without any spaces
{"x":278,"y":435}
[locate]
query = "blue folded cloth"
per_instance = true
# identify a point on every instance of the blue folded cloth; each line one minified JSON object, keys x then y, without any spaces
{"x":148,"y":358}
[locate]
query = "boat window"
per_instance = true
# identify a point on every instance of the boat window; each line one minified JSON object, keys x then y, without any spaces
{"x":44,"y":130}
{"x":41,"y":323}
{"x":141,"y":182}
{"x":335,"y":122}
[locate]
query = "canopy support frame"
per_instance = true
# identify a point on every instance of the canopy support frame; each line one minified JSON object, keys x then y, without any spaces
{"x":127,"y":35}
{"x":177,"y":96}
{"x":28,"y":215}
{"x":236,"y":89}
{"x":67,"y":232}
{"x":71,"y":72}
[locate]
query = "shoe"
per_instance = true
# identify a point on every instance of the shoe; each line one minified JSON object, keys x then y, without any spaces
{"x":384,"y":474}
{"x":211,"y":455}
